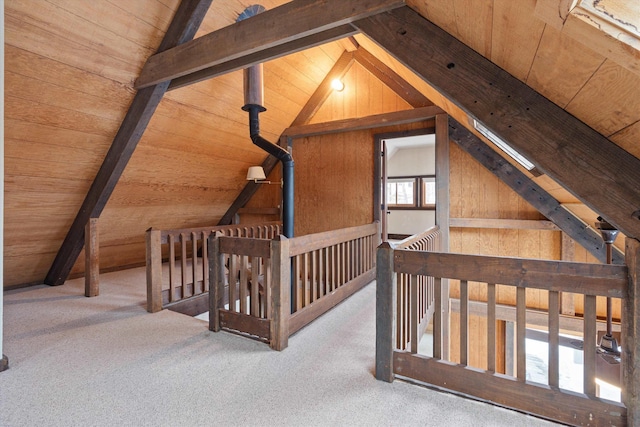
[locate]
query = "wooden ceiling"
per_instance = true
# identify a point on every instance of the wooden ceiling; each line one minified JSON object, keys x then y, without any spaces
{"x":70,"y":68}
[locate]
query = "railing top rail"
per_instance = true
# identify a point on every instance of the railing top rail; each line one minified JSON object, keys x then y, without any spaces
{"x":188,"y":231}
{"x":245,"y":246}
{"x":580,"y":278}
{"x":312,"y":242}
{"x":406,"y":243}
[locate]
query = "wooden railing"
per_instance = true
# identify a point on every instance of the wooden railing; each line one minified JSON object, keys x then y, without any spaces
{"x":264,"y":301}
{"x":184,"y":283}
{"x":414,"y":314}
{"x":546,"y":400}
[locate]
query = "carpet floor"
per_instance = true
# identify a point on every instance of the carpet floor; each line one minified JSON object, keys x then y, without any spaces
{"x":105,"y":361}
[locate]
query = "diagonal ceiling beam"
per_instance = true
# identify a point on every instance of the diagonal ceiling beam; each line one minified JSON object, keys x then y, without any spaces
{"x":395,"y":82}
{"x":283,"y":24}
{"x":532,"y":193}
{"x":598,"y":172}
{"x":186,"y":22}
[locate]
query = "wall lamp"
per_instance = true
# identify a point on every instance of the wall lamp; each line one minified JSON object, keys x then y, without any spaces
{"x":337,"y":85}
{"x":257,"y":175}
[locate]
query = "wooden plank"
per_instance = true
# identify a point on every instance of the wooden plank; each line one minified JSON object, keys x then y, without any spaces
{"x":172,"y":266}
{"x":630,"y":334}
{"x":192,"y":306}
{"x":553,"y":12}
{"x":183,"y":264}
{"x":286,"y":23}
{"x":92,"y":259}
{"x":589,"y":345}
{"x":183,"y":27}
{"x":154,"y":271}
{"x":264,"y":55}
{"x":387,"y":76}
{"x":309,"y":313}
{"x":245,"y":246}
{"x":280,"y":293}
{"x":586,"y":278}
{"x":521,"y":334}
{"x":246,"y":324}
{"x":531,"y":192}
{"x":216,"y":282}
{"x":543,"y":132}
{"x":499,"y":223}
{"x":313,"y":242}
{"x":554,"y":341}
{"x":491,"y":327}
{"x":464,"y":322}
{"x":562,"y":406}
{"x":386,"y":290}
{"x":414,"y":338}
{"x":568,"y":254}
{"x":369,"y":122}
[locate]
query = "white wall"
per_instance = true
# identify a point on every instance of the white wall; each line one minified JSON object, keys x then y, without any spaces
{"x":411,"y":161}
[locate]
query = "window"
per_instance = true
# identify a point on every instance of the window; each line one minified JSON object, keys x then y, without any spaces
{"x":401,"y":192}
{"x":411,"y":192}
{"x":428,"y":198}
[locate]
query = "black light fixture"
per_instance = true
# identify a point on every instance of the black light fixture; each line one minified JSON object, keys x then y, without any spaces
{"x":608,"y":343}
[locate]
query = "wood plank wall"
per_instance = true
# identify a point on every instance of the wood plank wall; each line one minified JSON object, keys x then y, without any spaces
{"x":69,"y":68}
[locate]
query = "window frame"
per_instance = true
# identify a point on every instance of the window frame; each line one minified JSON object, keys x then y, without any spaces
{"x":418,"y":193}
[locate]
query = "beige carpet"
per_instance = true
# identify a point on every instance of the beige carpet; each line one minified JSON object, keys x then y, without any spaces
{"x":105,"y":361}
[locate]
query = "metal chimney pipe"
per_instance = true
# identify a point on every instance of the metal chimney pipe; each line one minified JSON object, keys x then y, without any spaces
{"x":254,"y":105}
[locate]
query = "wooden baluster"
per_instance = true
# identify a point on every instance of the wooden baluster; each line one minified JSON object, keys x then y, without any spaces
{"x":414,"y":321}
{"x":334,"y":267}
{"x":194,"y":261}
{"x":322,"y":279}
{"x":554,"y":339}
{"x":437,"y":319}
{"x":589,"y":345}
{"x":205,"y":257}
{"x":92,"y":259}
{"x":217,"y":281}
{"x":297,"y":292}
{"x":244,"y":283}
{"x":491,"y":327}
{"x":154,"y":270}
{"x":464,"y":322}
{"x":233,"y":278}
{"x":306,"y":288}
{"x":183,"y":264}
{"x":521,"y":333}
{"x":314,"y":275}
{"x":400,"y":316}
{"x":255,"y":270}
{"x":268,"y":283}
{"x":172,"y":267}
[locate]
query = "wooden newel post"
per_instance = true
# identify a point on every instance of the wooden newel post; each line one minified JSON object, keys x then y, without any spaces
{"x":154,"y":270}
{"x":216,"y":281}
{"x":385,"y":312}
{"x":631,"y":335}
{"x":91,"y":259}
{"x":280,"y":293}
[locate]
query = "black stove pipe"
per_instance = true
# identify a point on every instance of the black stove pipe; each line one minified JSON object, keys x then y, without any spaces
{"x":287,"y":165}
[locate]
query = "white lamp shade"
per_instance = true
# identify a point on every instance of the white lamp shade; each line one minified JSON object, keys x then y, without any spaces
{"x":255,"y":173}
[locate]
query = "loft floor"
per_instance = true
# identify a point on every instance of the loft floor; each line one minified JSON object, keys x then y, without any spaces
{"x":106,"y":361}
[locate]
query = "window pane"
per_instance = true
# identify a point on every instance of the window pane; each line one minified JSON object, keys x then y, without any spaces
{"x":428,"y":191}
{"x":401,"y":192}
{"x":405,"y":193}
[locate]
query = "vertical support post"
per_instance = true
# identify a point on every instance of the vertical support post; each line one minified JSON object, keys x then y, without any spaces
{"x":442,"y":215}
{"x":280,"y":293}
{"x":91,"y":259}
{"x":554,"y":339}
{"x":631,"y":334}
{"x":521,"y":333}
{"x":385,"y":313}
{"x":491,"y":327}
{"x":216,"y":281}
{"x":154,"y":270}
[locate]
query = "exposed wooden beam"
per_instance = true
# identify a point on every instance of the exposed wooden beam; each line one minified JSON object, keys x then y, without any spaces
{"x":183,"y":27}
{"x":283,"y":24}
{"x":532,"y":193}
{"x":390,"y":78}
{"x":264,"y":55}
{"x":322,"y":92}
{"x":369,"y":122}
{"x":598,"y":172}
